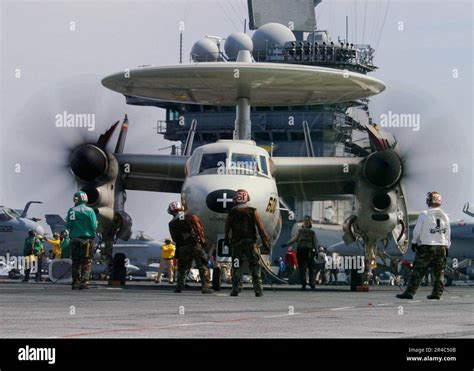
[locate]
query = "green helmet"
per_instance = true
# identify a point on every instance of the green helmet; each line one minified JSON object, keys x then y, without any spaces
{"x":80,"y":197}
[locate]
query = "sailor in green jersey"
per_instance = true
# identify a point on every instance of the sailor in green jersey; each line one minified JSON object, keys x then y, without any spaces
{"x":32,"y":246}
{"x":65,"y":245}
{"x":81,"y":222}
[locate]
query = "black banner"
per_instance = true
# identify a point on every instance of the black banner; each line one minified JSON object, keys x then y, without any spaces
{"x":454,"y":354}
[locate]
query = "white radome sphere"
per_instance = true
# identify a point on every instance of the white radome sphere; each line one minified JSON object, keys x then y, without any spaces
{"x":236,"y":42}
{"x":318,"y":37}
{"x":205,"y":50}
{"x":271,"y":33}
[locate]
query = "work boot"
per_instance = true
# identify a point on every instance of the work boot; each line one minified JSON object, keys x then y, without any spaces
{"x":178,"y":290}
{"x":405,"y":296}
{"x":234,"y":293}
{"x":433,"y":297}
{"x":259,"y":294}
{"x":206,"y":291}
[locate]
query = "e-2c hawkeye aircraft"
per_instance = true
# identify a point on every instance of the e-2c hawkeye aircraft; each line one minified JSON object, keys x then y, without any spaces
{"x":208,"y":178}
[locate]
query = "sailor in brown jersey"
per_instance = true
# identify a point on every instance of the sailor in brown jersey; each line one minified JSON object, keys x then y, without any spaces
{"x":241,"y":228}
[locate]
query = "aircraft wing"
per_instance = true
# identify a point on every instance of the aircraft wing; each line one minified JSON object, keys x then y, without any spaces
{"x":316,"y":178}
{"x":157,"y":173}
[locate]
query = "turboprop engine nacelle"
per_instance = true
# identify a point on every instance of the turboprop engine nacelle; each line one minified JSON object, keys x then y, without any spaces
{"x":377,"y":195}
{"x":96,"y":172}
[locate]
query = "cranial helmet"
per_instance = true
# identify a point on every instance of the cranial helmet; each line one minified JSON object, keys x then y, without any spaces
{"x":433,"y":198}
{"x":174,"y":207}
{"x":80,"y":197}
{"x":241,"y":197}
{"x":307,"y":221}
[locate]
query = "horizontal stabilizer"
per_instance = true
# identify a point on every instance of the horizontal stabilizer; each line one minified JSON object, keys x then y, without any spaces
{"x":55,"y":222}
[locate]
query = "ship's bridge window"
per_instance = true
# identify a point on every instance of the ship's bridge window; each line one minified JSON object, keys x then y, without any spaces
{"x":173,"y":115}
{"x":280,"y":136}
{"x":262,"y":136}
{"x":209,"y":137}
{"x":212,"y":161}
{"x":225,"y":135}
{"x":297,"y":135}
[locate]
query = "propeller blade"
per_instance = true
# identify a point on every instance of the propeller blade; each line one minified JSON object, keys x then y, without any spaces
{"x":105,"y":138}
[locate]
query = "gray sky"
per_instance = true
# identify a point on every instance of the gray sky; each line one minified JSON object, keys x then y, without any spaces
{"x":61,"y":70}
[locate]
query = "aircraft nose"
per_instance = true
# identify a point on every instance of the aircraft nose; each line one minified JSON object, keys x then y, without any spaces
{"x":221,"y":200}
{"x":39,"y":230}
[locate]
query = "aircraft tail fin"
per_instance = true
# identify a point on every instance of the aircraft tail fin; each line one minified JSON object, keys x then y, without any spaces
{"x":55,"y":222}
{"x":466,"y":210}
{"x":24,"y":213}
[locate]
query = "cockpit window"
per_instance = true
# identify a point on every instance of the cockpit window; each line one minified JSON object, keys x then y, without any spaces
{"x":139,"y":235}
{"x":13,"y":213}
{"x":212,"y":161}
{"x":245,"y":163}
{"x":4,"y":217}
{"x":263,"y":165}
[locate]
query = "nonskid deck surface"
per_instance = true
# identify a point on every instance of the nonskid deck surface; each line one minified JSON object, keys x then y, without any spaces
{"x":145,"y":310}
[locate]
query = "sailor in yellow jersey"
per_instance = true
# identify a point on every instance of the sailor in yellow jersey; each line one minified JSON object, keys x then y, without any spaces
{"x":56,"y":243}
{"x":166,"y":261}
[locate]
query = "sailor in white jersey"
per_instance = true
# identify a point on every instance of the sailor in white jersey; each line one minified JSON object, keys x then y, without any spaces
{"x":431,"y":241}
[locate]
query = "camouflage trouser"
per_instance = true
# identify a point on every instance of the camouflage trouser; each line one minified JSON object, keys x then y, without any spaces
{"x":433,"y":257}
{"x":249,"y":249}
{"x":81,"y":254}
{"x":186,"y":255}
